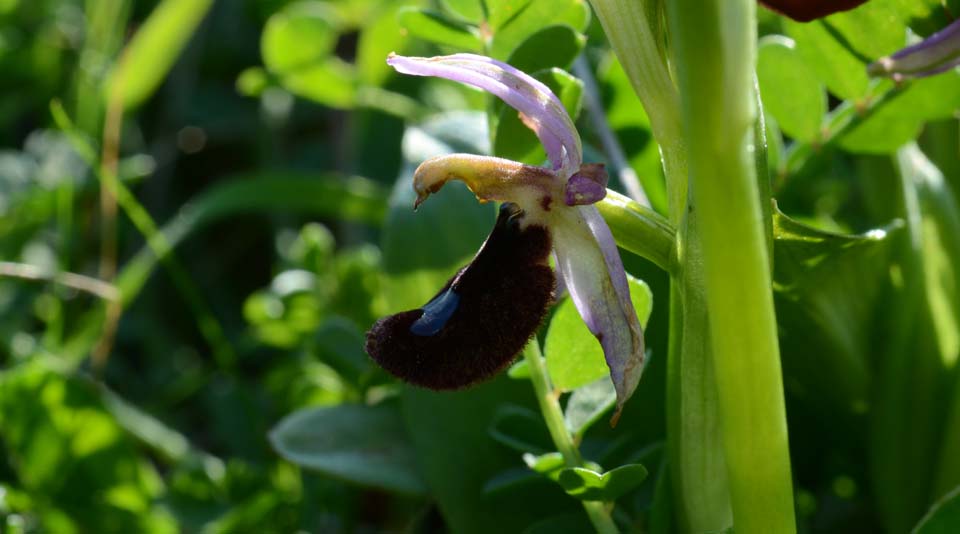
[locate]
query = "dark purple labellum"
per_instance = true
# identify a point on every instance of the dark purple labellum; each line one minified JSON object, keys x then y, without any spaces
{"x":807,"y":10}
{"x":475,"y":326}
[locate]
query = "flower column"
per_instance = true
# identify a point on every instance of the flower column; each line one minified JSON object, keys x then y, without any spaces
{"x":714,"y":46}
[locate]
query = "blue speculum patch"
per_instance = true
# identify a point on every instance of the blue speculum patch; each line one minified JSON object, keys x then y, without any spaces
{"x":436,"y":313}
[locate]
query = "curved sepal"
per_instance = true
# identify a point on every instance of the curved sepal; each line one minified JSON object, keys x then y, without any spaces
{"x":539,"y":108}
{"x":592,"y":271}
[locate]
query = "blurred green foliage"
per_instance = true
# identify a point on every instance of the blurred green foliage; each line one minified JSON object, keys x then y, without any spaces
{"x":263,"y":166}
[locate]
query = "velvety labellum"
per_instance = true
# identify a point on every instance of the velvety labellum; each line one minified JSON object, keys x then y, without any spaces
{"x":807,"y":10}
{"x":481,"y":319}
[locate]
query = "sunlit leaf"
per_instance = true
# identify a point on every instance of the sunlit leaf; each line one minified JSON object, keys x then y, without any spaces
{"x":588,"y":403}
{"x":943,"y":517}
{"x":574,"y":356}
{"x":790,"y":90}
{"x":827,"y":287}
{"x":362,"y":444}
{"x":154,"y":49}
{"x":588,"y":485}
{"x":435,"y":27}
{"x":531,"y":17}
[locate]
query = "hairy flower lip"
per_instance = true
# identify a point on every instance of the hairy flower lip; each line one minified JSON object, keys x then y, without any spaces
{"x":807,"y":10}
{"x":558,"y":199}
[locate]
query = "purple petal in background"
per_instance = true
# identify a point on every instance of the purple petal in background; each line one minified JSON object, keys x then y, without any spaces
{"x":590,"y":264}
{"x":542,"y":111}
{"x":938,"y":53}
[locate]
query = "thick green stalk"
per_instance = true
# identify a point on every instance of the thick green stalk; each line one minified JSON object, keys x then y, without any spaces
{"x":553,"y":417}
{"x":697,"y":467}
{"x":636,"y":37}
{"x":640,"y":230}
{"x":714,"y":44}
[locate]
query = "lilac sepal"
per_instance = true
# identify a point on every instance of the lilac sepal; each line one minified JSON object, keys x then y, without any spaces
{"x":590,"y":265}
{"x":586,"y":186}
{"x":541,"y":110}
{"x":938,"y":53}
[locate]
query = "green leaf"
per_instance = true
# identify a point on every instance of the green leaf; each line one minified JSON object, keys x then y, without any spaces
{"x":827,"y":287}
{"x":361,"y":444}
{"x":587,"y":485}
{"x":450,"y":432}
{"x":562,"y":524}
{"x":297,"y":45}
{"x":842,"y":72}
{"x":469,"y":10}
{"x":839,"y":47}
{"x":511,"y":480}
{"x":574,"y":356}
{"x":532,"y":16}
{"x":340,"y":344}
{"x":520,"y":429}
{"x":513,"y":140}
{"x":154,"y":49}
{"x":65,"y":448}
{"x":332,"y":83}
{"x":553,"y":46}
{"x":252,"y":81}
{"x":298,"y":36}
{"x":790,"y":89}
{"x":588,"y":403}
{"x":548,"y":465}
{"x":434,"y":27}
{"x":519,"y":370}
{"x":377,"y":40}
{"x":422,"y":249}
{"x":943,"y":517}
{"x":900,"y":117}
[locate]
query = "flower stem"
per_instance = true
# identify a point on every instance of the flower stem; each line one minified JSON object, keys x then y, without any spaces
{"x":640,"y":230}
{"x":549,"y":402}
{"x":714,"y":44}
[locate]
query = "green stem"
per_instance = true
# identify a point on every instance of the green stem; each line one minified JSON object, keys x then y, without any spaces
{"x":640,"y":230}
{"x":803,"y":156}
{"x":549,"y":401}
{"x":697,"y":466}
{"x":714,"y":44}
{"x":636,"y":37}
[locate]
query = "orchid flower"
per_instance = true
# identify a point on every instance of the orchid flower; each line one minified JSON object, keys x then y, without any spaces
{"x":938,"y":53}
{"x":484,"y":316}
{"x":807,"y":10}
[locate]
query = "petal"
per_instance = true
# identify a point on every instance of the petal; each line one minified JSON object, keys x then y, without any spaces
{"x":588,"y":260}
{"x":539,"y":108}
{"x":532,"y":188}
{"x":586,"y":186}
{"x":935,"y":54}
{"x":481,"y":319}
